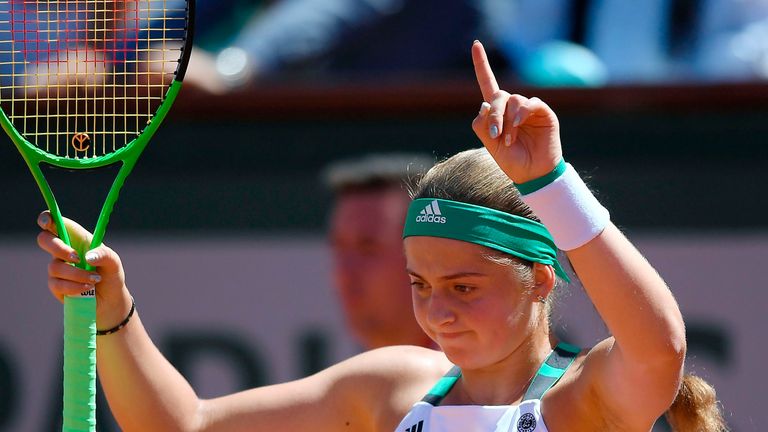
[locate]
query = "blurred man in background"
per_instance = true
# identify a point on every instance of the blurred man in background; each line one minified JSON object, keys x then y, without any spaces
{"x":365,"y":234}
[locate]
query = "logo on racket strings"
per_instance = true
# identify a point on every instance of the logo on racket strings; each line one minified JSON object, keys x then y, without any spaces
{"x":81,"y":141}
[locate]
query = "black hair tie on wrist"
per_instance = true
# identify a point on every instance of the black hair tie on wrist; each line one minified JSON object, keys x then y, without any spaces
{"x":117,"y":328}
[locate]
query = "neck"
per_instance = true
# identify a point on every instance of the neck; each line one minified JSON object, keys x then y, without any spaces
{"x":504,"y":382}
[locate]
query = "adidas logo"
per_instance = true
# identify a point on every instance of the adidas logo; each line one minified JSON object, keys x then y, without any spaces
{"x":431,"y":213}
{"x":416,"y":428}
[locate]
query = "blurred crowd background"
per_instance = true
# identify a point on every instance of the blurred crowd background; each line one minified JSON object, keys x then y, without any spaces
{"x":537,"y":42}
{"x":223,"y":225}
{"x":549,"y":43}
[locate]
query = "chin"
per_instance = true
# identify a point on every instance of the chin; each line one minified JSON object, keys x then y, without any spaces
{"x":463,"y":357}
{"x":472,"y":357}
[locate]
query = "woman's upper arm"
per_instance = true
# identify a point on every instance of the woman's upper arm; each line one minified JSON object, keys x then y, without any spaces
{"x":635,"y":373}
{"x":629,"y":394}
{"x":366,"y":393}
{"x":322,"y":402}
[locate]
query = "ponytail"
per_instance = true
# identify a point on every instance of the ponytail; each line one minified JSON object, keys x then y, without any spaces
{"x":696,"y":408}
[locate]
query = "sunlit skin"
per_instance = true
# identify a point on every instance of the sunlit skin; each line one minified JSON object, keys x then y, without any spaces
{"x":369,"y":267}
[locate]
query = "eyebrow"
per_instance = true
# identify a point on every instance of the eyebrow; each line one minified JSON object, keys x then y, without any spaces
{"x":451,"y":276}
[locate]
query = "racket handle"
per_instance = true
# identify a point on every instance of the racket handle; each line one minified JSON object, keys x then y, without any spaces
{"x":79,"y":364}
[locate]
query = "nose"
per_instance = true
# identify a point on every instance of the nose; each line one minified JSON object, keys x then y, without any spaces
{"x":439,"y":310}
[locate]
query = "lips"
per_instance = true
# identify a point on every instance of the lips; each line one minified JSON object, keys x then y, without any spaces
{"x":451,"y":335}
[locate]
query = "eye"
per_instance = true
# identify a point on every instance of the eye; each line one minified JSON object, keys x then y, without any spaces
{"x":464,"y":289}
{"x":419,"y":286}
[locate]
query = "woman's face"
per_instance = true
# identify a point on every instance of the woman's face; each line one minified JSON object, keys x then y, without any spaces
{"x":475,"y":309}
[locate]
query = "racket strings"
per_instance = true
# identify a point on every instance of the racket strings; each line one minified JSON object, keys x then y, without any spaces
{"x":82,"y":79}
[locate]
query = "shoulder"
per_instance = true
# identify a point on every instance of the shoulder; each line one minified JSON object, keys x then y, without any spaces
{"x":396,"y":364}
{"x":586,"y":364}
{"x":386,"y":382}
{"x":593,"y":394}
{"x":571,"y":404}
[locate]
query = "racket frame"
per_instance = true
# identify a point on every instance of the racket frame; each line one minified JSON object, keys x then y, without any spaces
{"x":79,"y":399}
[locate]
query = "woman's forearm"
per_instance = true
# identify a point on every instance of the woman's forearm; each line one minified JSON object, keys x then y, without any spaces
{"x":145,"y":392}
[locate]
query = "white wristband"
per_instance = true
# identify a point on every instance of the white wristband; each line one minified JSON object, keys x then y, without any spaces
{"x":569,"y":210}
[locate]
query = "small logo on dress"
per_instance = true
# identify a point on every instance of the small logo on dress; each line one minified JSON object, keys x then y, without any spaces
{"x":416,"y":428}
{"x":431,"y":213}
{"x":527,"y":423}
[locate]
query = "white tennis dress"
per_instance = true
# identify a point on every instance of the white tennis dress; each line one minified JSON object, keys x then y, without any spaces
{"x":428,"y":416}
{"x":424,"y":417}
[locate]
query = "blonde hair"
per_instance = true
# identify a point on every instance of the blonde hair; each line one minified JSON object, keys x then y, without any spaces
{"x":696,"y":408}
{"x":471,"y":177}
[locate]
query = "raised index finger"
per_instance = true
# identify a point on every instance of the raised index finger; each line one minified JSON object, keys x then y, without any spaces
{"x":485,"y":77}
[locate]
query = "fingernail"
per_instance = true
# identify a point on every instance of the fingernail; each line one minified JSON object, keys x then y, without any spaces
{"x":484,"y":108}
{"x":475,"y":41}
{"x":43,"y":220}
{"x":494,"y":131}
{"x":73,"y":257}
{"x":89,"y":287}
{"x":95,"y":278}
{"x":91,"y":256}
{"x":507,"y":140}
{"x":517,"y":120}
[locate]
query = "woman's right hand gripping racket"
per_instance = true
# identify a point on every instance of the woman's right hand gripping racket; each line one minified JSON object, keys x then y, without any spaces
{"x":85,"y":84}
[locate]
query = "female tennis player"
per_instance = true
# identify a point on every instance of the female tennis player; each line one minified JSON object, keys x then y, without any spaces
{"x":482,"y":266}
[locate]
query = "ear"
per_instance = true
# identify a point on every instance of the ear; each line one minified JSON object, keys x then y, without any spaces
{"x":544,"y":279}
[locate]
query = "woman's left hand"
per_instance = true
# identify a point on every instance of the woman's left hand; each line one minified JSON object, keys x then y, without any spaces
{"x":522,"y":134}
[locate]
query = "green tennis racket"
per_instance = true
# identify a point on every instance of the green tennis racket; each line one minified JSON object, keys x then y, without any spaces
{"x":85,"y":84}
